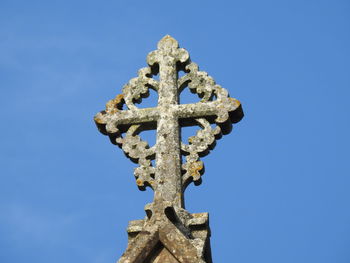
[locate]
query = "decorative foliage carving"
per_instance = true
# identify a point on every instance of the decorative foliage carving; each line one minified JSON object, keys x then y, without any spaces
{"x":184,"y":237}
{"x":139,"y":152}
{"x":215,"y":107}
{"x":199,"y":145}
{"x":139,"y":87}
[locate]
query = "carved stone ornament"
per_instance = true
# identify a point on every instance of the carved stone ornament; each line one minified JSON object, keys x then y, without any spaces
{"x":169,"y":233}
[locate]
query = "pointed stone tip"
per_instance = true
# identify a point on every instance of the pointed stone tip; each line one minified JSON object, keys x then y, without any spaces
{"x":168,"y":42}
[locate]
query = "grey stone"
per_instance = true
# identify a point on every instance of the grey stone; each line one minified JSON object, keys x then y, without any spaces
{"x":169,"y":233}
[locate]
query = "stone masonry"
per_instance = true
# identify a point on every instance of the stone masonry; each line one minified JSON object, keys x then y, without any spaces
{"x":169,"y":233}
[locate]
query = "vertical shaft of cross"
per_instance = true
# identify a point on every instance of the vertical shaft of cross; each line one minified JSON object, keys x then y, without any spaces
{"x":168,"y":171}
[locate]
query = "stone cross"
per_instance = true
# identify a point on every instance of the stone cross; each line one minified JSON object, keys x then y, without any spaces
{"x":167,"y":233}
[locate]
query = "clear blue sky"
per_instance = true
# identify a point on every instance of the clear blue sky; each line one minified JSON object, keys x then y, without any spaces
{"x":276,"y":188}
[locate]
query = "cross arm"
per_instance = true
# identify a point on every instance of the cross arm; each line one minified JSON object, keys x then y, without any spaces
{"x":112,"y":122}
{"x":220,"y":111}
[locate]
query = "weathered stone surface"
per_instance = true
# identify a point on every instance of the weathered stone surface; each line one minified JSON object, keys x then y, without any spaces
{"x":169,"y":233}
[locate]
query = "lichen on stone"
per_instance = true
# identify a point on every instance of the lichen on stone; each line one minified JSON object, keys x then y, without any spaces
{"x":185,"y":237}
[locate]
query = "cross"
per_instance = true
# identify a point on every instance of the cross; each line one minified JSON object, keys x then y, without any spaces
{"x":169,"y":233}
{"x":216,"y":107}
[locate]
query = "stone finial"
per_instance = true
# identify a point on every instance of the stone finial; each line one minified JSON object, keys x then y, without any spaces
{"x":168,"y":226}
{"x":167,"y":42}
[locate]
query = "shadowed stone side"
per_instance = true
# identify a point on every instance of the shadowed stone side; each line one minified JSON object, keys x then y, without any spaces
{"x":169,"y":233}
{"x":198,"y":233}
